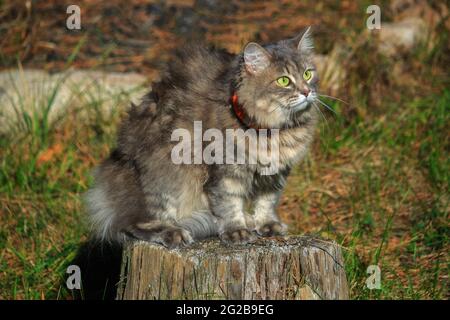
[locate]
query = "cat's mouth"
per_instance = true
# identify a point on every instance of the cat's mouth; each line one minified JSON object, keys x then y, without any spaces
{"x":303,"y":103}
{"x":301,"y":106}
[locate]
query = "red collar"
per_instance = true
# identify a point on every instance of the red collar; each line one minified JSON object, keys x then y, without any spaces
{"x":241,"y":114}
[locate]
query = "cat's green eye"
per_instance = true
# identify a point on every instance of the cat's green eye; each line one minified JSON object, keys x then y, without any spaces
{"x":307,"y":75}
{"x":283,"y":81}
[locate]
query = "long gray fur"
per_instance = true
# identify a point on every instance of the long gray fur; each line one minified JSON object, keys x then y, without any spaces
{"x":140,"y":193}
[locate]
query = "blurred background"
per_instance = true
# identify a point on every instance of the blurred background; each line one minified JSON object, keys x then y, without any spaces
{"x":376,"y":181}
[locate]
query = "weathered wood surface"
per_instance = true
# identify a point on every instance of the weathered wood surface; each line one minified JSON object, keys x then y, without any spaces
{"x":275,"y":268}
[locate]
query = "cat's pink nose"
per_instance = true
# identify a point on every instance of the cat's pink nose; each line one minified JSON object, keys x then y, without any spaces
{"x":305,"y":91}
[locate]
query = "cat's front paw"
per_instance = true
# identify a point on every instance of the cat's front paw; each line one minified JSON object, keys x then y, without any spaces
{"x":273,"y":228}
{"x":176,"y":237}
{"x":237,"y":236}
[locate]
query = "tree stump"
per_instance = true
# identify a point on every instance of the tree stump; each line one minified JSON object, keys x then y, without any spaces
{"x":272,"y":268}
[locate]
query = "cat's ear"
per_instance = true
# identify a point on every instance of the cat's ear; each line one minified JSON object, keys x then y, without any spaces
{"x":304,"y":42}
{"x":256,"y":58}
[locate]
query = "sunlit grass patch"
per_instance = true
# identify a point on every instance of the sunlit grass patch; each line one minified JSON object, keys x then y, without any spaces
{"x":44,"y":169}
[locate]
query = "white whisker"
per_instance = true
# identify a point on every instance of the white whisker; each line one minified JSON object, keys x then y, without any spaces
{"x":321,"y":113}
{"x":331,"y":97}
{"x":326,"y":106}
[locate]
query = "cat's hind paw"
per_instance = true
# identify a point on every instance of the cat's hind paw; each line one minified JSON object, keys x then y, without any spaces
{"x":162,"y":233}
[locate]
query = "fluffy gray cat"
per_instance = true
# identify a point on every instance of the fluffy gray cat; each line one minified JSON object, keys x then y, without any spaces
{"x":141,"y":193}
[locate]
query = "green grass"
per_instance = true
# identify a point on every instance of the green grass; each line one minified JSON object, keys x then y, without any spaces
{"x":42,"y":216}
{"x":396,"y":169}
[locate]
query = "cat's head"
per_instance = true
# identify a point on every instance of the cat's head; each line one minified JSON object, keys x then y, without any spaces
{"x":279,"y":82}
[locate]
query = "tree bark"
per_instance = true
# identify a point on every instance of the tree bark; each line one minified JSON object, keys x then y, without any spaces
{"x":272,"y":268}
